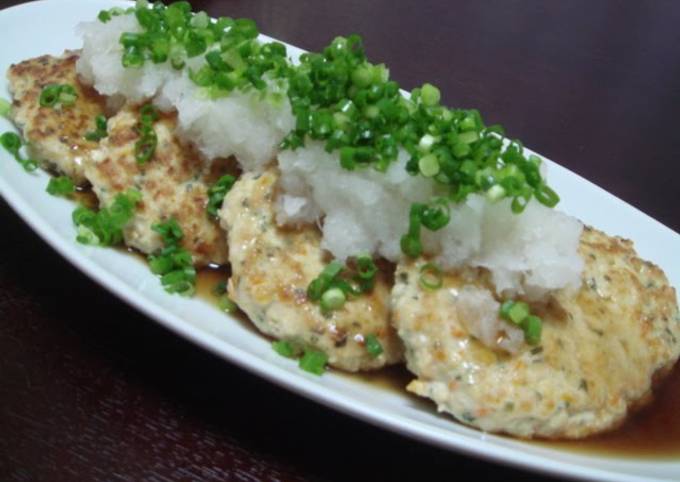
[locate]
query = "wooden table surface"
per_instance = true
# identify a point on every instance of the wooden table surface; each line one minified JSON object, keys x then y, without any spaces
{"x":92,"y":390}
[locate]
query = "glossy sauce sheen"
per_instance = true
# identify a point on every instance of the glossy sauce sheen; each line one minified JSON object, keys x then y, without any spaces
{"x":207,"y":280}
{"x":85,"y":197}
{"x":652,"y":432}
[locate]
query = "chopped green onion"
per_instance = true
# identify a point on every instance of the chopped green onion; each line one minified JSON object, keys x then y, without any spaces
{"x":5,"y":107}
{"x":343,"y":100}
{"x":181,"y":282}
{"x":174,"y":33}
{"x":430,"y":276}
{"x":132,"y":57}
{"x":284,"y":348}
{"x":366,"y":272}
{"x":85,"y":235}
{"x":215,"y":61}
{"x":227,"y":305}
{"x":518,"y":311}
{"x":532,"y":326}
{"x":428,"y":165}
{"x":468,"y":137}
{"x":100,"y":129}
{"x":545,"y":195}
{"x":145,"y":147}
{"x":105,"y":227}
{"x":173,"y":263}
{"x":505,"y":309}
{"x":12,"y":143}
{"x":535,"y":160}
{"x":216,"y":194}
{"x":320,"y":284}
{"x":148,"y":114}
{"x":332,"y":299}
{"x":60,"y":186}
{"x":411,"y":246}
{"x":67,"y":95}
{"x":366,"y":268}
{"x":160,"y":50}
{"x":467,"y":124}
{"x":104,"y":16}
{"x":495,"y":192}
{"x":100,"y":123}
{"x":373,"y":345}
{"x":410,"y":242}
{"x":170,"y":231}
{"x":451,"y":146}
{"x":203,"y":77}
{"x":49,"y":95}
{"x":435,"y":215}
{"x":362,"y":76}
{"x":313,"y":361}
{"x":460,"y":150}
{"x":58,"y":95}
{"x":161,"y":265}
{"x":518,"y":204}
{"x":340,"y":98}
{"x":430,"y":95}
{"x":336,"y":284}
{"x":426,"y":142}
{"x":200,"y":20}
{"x":29,"y":165}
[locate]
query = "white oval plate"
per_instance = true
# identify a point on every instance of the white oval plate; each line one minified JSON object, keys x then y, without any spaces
{"x":47,"y":27}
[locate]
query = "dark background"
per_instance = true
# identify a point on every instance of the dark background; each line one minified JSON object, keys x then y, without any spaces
{"x":91,"y":390}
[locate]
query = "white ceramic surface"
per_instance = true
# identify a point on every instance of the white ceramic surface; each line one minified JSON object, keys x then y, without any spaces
{"x":48,"y":27}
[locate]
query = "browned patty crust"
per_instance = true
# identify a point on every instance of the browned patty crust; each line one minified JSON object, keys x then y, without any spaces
{"x":174,"y":183}
{"x":600,"y":349}
{"x":271,"y":269}
{"x":56,"y":136}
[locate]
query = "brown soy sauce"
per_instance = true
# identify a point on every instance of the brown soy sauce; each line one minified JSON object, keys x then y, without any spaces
{"x":208,"y":278}
{"x":393,"y":378}
{"x":652,"y":432}
{"x":85,"y":196}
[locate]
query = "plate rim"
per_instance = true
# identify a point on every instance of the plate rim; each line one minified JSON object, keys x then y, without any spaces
{"x":301,"y":384}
